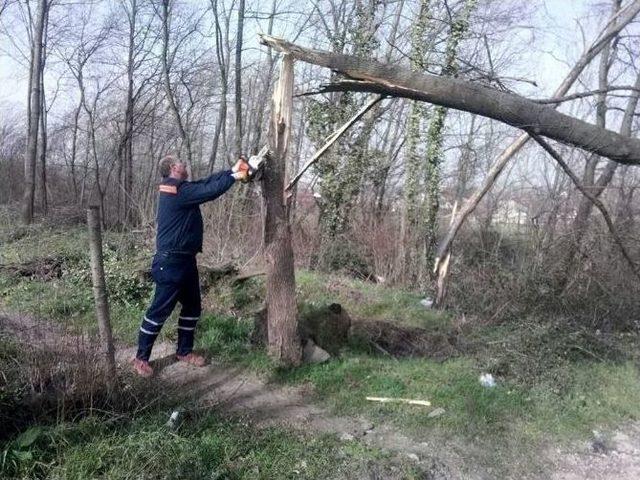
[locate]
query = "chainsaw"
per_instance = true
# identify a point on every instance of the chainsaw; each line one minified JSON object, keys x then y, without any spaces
{"x":257,"y":162}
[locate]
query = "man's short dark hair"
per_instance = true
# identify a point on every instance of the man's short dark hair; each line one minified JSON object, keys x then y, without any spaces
{"x":164,"y":166}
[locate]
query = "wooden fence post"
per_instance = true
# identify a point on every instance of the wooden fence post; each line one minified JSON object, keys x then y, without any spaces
{"x":100,"y":291}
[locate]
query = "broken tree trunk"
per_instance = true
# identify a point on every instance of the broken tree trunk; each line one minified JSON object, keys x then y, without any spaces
{"x":283,"y":339}
{"x":442,"y":270}
{"x":100,"y":292}
{"x":376,"y":77}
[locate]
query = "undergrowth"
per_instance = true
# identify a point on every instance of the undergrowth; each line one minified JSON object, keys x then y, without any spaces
{"x":557,"y":379}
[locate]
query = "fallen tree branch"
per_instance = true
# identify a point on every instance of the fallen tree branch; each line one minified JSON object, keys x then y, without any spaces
{"x":45,"y":268}
{"x":247,"y":274}
{"x":424,"y":403}
{"x":463,"y":95}
{"x":622,"y":18}
{"x":331,"y":139}
{"x":596,"y":202}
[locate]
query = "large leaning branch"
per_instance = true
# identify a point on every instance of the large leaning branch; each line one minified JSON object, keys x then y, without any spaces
{"x":463,"y":95}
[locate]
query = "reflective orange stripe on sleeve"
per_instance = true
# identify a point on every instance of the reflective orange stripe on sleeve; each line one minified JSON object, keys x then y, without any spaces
{"x":168,"y":189}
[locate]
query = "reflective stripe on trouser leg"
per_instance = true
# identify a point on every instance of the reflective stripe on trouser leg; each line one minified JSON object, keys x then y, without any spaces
{"x":164,"y":301}
{"x":149,"y":330}
{"x":190,"y":299}
{"x":186,"y":334}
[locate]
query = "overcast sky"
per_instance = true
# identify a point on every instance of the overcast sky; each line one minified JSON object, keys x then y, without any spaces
{"x":557,"y":42}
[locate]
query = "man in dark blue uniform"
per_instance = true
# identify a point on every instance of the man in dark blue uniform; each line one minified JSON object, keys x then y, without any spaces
{"x":174,"y":269}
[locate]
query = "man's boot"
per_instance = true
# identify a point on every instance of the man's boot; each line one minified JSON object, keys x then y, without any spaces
{"x":142,"y":367}
{"x":192,"y":359}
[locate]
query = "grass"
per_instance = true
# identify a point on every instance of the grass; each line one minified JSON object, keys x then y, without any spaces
{"x":367,"y":300}
{"x":203,"y":447}
{"x":68,"y":300}
{"x":561,"y":404}
{"x":556,"y":382}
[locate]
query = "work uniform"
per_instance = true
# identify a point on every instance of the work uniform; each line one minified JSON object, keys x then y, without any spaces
{"x":174,"y":269}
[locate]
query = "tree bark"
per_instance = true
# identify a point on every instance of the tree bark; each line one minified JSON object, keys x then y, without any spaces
{"x":74,"y":150}
{"x":239,"y":78}
{"x":284,"y":342}
{"x":43,"y":138}
{"x":127,"y":151}
{"x":100,"y":291}
{"x":34,"y":116}
{"x":520,"y":112}
{"x":412,"y":258}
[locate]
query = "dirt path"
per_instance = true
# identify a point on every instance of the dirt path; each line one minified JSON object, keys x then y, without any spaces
{"x":614,"y":458}
{"x":235,"y":391}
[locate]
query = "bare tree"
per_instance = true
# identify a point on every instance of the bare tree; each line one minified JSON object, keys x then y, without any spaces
{"x":35,"y":103}
{"x":100,"y":293}
{"x":238,"y":77}
{"x":222,"y":55}
{"x":139,"y":47}
{"x":167,"y":58}
{"x":43,"y":122}
{"x":266,"y":86}
{"x":595,"y":185}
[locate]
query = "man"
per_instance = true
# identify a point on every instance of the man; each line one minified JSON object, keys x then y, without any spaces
{"x":174,"y":269}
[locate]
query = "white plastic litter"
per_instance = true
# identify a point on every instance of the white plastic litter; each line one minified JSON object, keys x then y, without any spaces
{"x":173,"y":419}
{"x":487,"y":380}
{"x":426,"y":302}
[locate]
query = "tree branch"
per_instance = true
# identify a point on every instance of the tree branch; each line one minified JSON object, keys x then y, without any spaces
{"x":575,"y":96}
{"x":332,"y":139}
{"x":463,"y":95}
{"x":592,"y":198}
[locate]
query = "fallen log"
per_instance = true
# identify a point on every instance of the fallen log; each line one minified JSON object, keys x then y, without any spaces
{"x":369,"y":75}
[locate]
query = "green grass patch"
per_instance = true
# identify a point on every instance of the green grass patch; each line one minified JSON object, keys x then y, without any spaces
{"x":203,"y":447}
{"x":227,"y":338}
{"x":68,"y":300}
{"x":344,"y":385}
{"x":368,"y":300}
